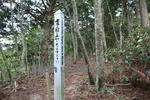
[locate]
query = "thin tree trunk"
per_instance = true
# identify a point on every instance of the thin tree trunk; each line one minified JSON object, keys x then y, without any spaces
{"x":1,"y":72}
{"x":6,"y":63}
{"x":47,"y":30}
{"x":144,"y":13}
{"x":113,"y":25}
{"x":99,"y":31}
{"x":15,"y":36}
{"x":104,"y":38}
{"x":75,"y":49}
{"x":12,"y":23}
{"x":46,"y":44}
{"x":138,"y":16}
{"x":127,"y":15}
{"x":39,"y":60}
{"x":24,"y":50}
{"x":71,"y":29}
{"x":90,"y":39}
{"x":23,"y":35}
{"x":76,"y":45}
{"x":48,"y":85}
{"x":120,"y":31}
{"x":81,"y":42}
{"x":26,"y":58}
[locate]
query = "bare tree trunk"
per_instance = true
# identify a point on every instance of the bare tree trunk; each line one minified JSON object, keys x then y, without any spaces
{"x":12,"y":23}
{"x":39,"y":60}
{"x":138,"y":16}
{"x":75,"y":45}
{"x":6,"y":64}
{"x":120,"y":31}
{"x":144,"y":14}
{"x":24,"y":50}
{"x":48,"y":85}
{"x":26,"y":58}
{"x":23,"y":34}
{"x":99,"y":31}
{"x":104,"y":38}
{"x":127,"y":15}
{"x":89,"y":39}
{"x":113,"y":25}
{"x":73,"y":36}
{"x":46,"y":44}
{"x":47,"y":30}
{"x":15,"y":35}
{"x":1,"y":72}
{"x":81,"y":42}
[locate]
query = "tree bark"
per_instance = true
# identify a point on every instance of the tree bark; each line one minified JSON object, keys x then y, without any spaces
{"x":48,"y":85}
{"x":47,"y":30}
{"x":46,"y":24}
{"x":81,"y":42}
{"x":46,"y":44}
{"x":73,"y":36}
{"x":23,"y":34}
{"x":12,"y":28}
{"x":15,"y":34}
{"x":138,"y":16}
{"x":6,"y":63}
{"x":127,"y":15}
{"x":120,"y":32}
{"x":99,"y":31}
{"x":113,"y":25}
{"x":39,"y":58}
{"x":144,"y":14}
{"x":104,"y":38}
{"x":1,"y":72}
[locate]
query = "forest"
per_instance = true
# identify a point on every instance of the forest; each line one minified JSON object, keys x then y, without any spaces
{"x":106,"y":47}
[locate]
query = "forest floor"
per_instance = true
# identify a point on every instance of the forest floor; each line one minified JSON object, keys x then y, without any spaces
{"x":33,"y":87}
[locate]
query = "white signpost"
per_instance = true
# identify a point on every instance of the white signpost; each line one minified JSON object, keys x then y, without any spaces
{"x":59,"y":74}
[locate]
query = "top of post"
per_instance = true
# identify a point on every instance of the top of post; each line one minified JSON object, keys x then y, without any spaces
{"x":58,"y":12}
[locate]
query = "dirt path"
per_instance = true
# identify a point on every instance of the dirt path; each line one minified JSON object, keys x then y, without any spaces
{"x":33,"y":87}
{"x":77,"y":88}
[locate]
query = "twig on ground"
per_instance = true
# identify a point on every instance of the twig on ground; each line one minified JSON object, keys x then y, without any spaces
{"x":141,"y":74}
{"x":114,"y":85}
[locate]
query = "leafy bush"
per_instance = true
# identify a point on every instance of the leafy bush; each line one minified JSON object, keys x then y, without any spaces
{"x":112,"y":53}
{"x":137,"y":46}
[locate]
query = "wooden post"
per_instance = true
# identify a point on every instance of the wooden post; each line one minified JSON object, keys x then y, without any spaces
{"x":48,"y":85}
{"x":59,"y":74}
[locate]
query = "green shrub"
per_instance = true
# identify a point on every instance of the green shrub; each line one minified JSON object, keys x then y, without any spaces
{"x":137,"y":46}
{"x":112,"y":53}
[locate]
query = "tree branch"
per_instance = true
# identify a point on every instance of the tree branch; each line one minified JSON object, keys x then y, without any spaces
{"x":51,"y":7}
{"x":48,"y":2}
{"x":141,"y":74}
{"x":36,"y":18}
{"x":44,"y":5}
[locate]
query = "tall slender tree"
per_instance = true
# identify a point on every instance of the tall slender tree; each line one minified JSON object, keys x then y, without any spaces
{"x":144,"y":13}
{"x":6,"y":64}
{"x":81,"y":42}
{"x":21,"y":16}
{"x":99,"y":31}
{"x":127,"y":15}
{"x":73,"y":36}
{"x":42,"y":11}
{"x":138,"y":15}
{"x":113,"y":25}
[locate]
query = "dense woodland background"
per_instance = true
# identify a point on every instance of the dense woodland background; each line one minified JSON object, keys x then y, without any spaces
{"x":111,"y":31}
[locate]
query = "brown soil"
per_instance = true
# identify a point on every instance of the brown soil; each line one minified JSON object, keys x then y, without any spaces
{"x":33,"y":87}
